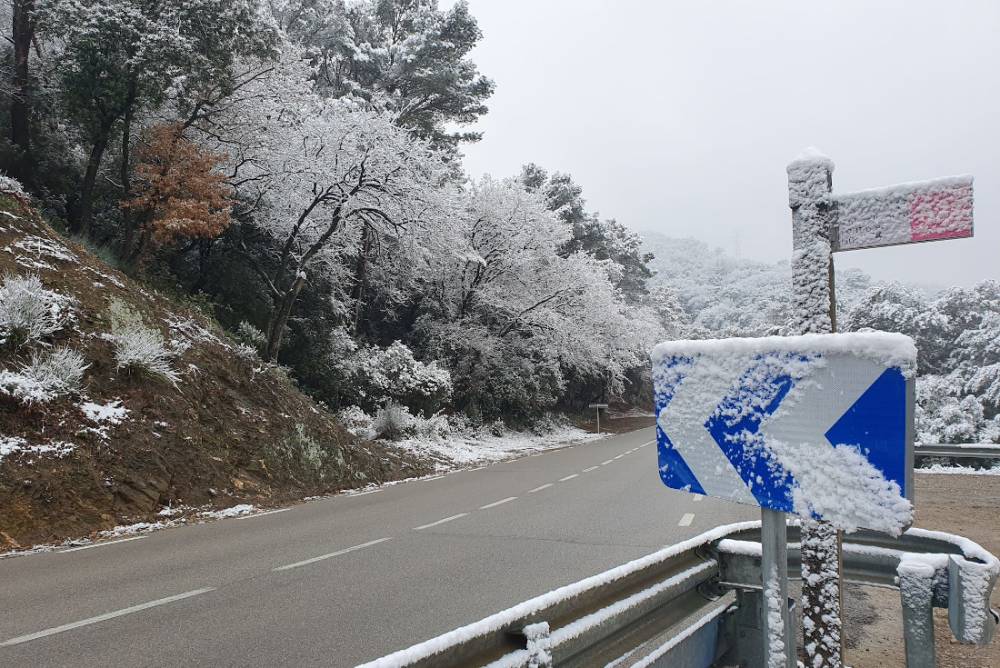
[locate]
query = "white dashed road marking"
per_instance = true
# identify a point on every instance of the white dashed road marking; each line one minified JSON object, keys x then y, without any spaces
{"x":330,"y":555}
{"x":686,"y":520}
{"x":606,"y":462}
{"x":698,"y":497}
{"x":540,"y":488}
{"x":434,"y":524}
{"x":93,"y":545}
{"x":101,"y":618}
{"x":569,"y":477}
{"x":592,"y":468}
{"x":497,"y":503}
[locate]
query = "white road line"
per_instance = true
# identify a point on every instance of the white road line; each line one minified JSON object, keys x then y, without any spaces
{"x":605,"y":463}
{"x":497,"y":503}
{"x":101,"y":618}
{"x":648,"y":443}
{"x":686,"y":520}
{"x":569,"y":477}
{"x":332,"y":554}
{"x":371,"y":491}
{"x":92,"y":545}
{"x":592,"y":468}
{"x":434,"y":524}
{"x":267,"y":512}
{"x":698,"y":497}
{"x":618,"y":457}
{"x":540,"y":487}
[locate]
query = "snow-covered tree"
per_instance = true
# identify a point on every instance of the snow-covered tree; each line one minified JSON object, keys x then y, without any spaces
{"x":319,"y":172}
{"x":405,"y":56}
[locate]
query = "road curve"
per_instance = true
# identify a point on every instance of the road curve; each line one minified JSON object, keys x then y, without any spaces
{"x":346,"y":579}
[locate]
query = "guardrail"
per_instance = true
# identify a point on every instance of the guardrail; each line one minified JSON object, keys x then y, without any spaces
{"x":698,"y":602}
{"x":958,"y":450}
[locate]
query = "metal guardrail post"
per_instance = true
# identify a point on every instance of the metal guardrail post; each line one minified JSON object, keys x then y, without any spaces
{"x":539,"y":644}
{"x":916,"y":593}
{"x":778,"y":636}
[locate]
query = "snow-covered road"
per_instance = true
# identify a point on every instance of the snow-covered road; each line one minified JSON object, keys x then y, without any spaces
{"x":340,"y":580}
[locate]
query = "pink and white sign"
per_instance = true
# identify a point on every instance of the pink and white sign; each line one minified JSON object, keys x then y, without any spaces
{"x":904,"y":214}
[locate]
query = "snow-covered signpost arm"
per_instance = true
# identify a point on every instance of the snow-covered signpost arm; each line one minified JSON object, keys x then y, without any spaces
{"x":810,"y":181}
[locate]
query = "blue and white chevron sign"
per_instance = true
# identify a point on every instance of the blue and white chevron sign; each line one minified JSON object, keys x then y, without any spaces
{"x":819,"y":425}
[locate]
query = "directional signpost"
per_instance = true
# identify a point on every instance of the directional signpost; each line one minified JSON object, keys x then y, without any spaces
{"x":598,"y":407}
{"x":817,"y":425}
{"x":820,"y":425}
{"x":824,"y":223}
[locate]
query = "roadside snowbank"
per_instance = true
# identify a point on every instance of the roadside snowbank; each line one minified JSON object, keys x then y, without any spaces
{"x":462,"y":449}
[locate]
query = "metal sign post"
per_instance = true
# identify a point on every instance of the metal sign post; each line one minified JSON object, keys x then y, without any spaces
{"x":823,"y":223}
{"x":598,"y":407}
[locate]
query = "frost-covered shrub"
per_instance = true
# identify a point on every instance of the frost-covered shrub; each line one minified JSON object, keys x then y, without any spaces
{"x":301,"y":453}
{"x":356,"y":421}
{"x":393,"y":422}
{"x":435,"y":427}
{"x":375,"y":375}
{"x":49,"y":374}
{"x":249,"y":335}
{"x":138,"y":347}
{"x":29,"y":312}
{"x":10,"y":185}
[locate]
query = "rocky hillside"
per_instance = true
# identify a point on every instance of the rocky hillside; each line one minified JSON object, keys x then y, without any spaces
{"x":116,"y":401}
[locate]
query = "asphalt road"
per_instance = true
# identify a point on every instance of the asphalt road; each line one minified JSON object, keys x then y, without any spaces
{"x":342,"y":580}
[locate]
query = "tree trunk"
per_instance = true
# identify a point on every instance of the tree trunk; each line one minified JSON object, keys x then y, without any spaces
{"x":361,"y":276}
{"x":22,"y":31}
{"x":283,"y":310}
{"x":127,"y":137}
{"x":84,"y":210}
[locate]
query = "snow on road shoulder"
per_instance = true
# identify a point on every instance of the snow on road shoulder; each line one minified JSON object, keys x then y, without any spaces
{"x":462,"y":449}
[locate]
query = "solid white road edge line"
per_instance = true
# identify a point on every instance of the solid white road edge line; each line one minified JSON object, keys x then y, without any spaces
{"x":434,"y":524}
{"x":540,"y":487}
{"x":569,"y":477}
{"x":266,"y":512}
{"x":92,"y":545}
{"x":686,"y":520}
{"x":101,"y":618}
{"x":588,"y":470}
{"x":332,"y":554}
{"x":497,"y":503}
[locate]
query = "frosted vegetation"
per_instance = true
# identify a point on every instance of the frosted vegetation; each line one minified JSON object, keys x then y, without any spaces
{"x":295,"y":168}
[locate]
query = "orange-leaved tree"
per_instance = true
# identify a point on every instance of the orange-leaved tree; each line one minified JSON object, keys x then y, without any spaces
{"x":181,"y":194}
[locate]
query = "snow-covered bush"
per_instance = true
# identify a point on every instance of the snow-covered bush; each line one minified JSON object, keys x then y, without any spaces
{"x":48,"y":375}
{"x":393,"y":422}
{"x":356,"y":421}
{"x":248,"y":335}
{"x":11,"y":185}
{"x":138,"y":347}
{"x":29,"y":312}
{"x":370,"y":376}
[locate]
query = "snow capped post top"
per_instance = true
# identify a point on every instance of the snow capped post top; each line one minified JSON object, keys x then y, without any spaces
{"x":810,"y":176}
{"x":820,"y":425}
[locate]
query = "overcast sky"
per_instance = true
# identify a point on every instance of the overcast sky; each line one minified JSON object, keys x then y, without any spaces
{"x":680,"y":117}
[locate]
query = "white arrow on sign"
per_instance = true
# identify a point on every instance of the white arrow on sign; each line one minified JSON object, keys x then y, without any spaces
{"x":823,"y":473}
{"x":683,"y":421}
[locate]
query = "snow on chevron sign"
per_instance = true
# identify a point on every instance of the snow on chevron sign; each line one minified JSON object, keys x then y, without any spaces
{"x":820,"y":425}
